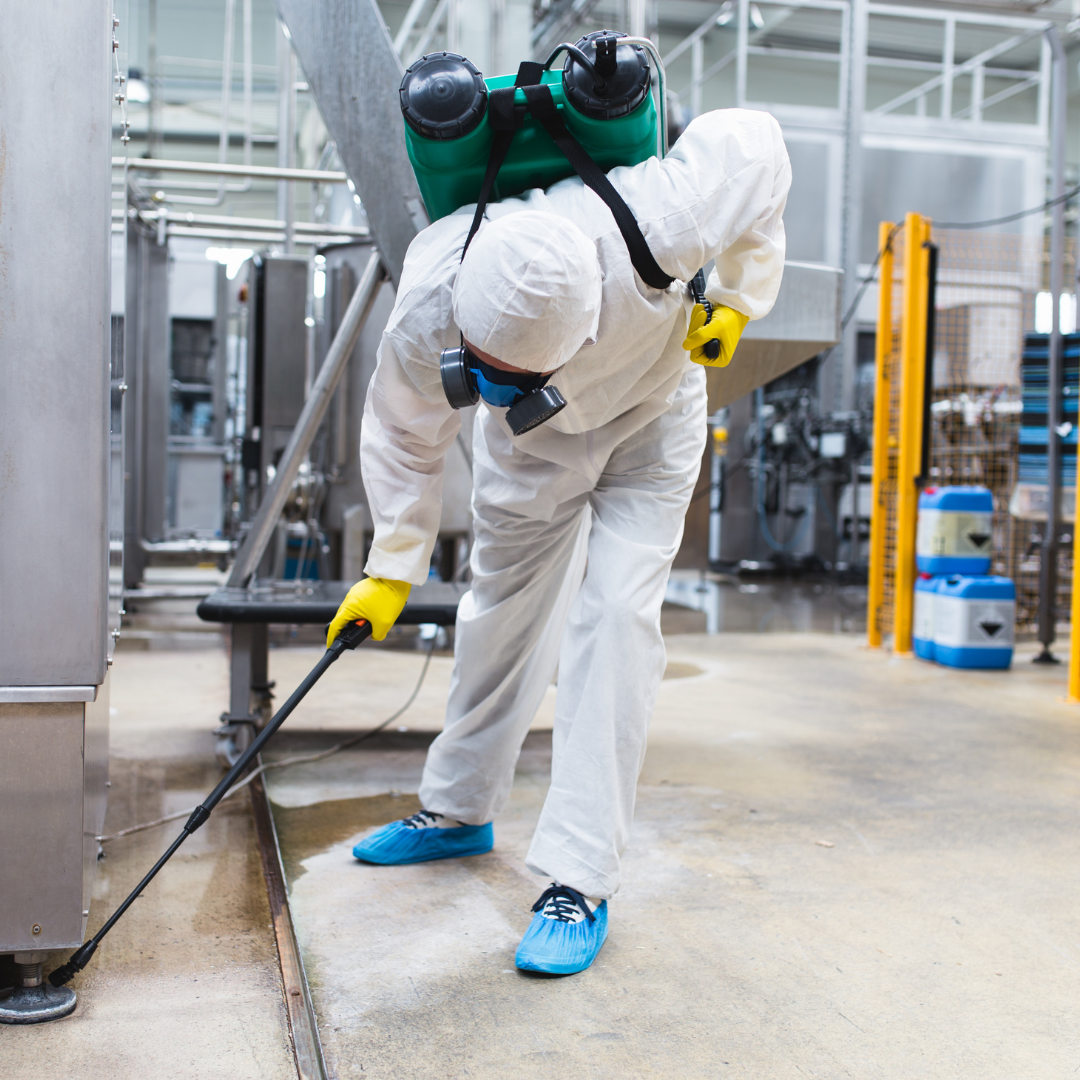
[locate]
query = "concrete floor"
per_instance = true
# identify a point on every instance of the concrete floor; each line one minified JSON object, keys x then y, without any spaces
{"x":187,"y":985}
{"x":843,"y":865}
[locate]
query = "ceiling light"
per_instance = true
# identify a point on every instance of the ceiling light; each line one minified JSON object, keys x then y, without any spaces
{"x":231,"y":258}
{"x":757,"y":20}
{"x":138,"y":93}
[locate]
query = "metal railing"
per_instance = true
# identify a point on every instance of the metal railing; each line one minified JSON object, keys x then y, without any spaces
{"x":756,"y":37}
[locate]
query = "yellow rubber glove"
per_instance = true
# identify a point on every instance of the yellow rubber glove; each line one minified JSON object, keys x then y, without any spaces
{"x":378,"y":600}
{"x":726,"y":326}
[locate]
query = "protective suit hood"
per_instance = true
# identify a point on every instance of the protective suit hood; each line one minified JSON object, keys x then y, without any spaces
{"x":529,"y":290}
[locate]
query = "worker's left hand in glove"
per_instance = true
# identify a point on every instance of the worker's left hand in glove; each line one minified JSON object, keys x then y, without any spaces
{"x":725,"y":326}
{"x":378,"y":600}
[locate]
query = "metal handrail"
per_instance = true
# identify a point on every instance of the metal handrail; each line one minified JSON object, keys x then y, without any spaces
{"x":661,"y":80}
{"x":965,"y":68}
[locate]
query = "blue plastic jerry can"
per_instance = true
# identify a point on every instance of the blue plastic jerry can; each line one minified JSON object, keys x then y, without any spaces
{"x":955,"y":530}
{"x":973,"y":621}
{"x":922,"y":633}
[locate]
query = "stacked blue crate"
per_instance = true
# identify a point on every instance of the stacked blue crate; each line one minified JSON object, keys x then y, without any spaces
{"x":963,"y":616}
{"x":1034,"y":375}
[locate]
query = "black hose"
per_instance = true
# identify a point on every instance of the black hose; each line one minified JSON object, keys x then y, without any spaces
{"x":351,"y":636}
{"x":579,"y":58}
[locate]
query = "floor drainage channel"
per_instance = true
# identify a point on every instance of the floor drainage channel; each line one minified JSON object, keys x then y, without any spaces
{"x":310,"y":1064}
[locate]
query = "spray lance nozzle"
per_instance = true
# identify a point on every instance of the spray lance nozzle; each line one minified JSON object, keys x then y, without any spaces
{"x":79,"y":959}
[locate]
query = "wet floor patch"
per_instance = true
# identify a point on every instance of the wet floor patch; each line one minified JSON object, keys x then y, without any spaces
{"x":304,"y":831}
{"x":711,"y":603}
{"x":188,"y":982}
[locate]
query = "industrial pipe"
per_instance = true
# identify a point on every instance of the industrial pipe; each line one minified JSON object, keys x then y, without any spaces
{"x":223,"y":221}
{"x":210,"y":168}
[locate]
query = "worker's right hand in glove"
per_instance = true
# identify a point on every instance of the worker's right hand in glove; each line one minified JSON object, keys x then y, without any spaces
{"x":378,"y":600}
{"x":725,"y":327}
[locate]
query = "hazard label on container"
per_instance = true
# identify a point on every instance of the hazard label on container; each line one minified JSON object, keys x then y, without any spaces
{"x":963,"y":623}
{"x":953,"y":533}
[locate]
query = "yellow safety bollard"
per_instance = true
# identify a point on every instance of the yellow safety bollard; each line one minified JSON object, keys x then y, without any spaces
{"x":1074,"y":621}
{"x":912,"y":378}
{"x":879,"y":509}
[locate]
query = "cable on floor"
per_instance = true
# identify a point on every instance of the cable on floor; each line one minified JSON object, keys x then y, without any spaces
{"x":299,"y":759}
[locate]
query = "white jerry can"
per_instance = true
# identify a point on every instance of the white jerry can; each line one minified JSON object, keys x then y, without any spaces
{"x":973,"y":621}
{"x":922,"y":630}
{"x":955,"y":533}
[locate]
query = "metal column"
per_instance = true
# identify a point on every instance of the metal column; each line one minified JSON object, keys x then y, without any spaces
{"x":146,"y":403}
{"x":1048,"y":570}
{"x":55,"y":352}
{"x":843,"y":388}
{"x":250,"y":689}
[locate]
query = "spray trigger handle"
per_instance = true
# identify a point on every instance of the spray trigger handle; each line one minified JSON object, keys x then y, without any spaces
{"x":697,"y":291}
{"x":352,"y":634}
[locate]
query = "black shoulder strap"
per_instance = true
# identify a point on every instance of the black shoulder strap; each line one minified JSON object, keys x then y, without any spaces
{"x":542,"y":106}
{"x":505,"y":119}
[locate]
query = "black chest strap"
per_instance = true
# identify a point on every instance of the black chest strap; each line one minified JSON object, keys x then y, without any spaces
{"x":504,"y":118}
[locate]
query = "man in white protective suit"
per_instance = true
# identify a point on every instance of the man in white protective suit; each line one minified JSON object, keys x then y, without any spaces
{"x":578,"y":520}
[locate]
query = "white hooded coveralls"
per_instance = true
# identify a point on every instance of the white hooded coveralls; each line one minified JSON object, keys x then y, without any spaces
{"x":578,"y":521}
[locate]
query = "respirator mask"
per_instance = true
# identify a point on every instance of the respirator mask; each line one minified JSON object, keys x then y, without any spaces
{"x":526,"y":397}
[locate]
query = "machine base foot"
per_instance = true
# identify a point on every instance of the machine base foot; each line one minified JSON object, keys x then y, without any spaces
{"x":1045,"y":657}
{"x":37,"y":1004}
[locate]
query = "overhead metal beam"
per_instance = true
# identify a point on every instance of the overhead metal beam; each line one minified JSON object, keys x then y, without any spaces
{"x":434,"y":22}
{"x":694,"y":36}
{"x":557,"y":22}
{"x":354,"y":72}
{"x":408,"y":25}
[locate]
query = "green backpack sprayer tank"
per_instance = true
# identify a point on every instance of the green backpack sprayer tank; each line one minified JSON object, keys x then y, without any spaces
{"x":601,"y":95}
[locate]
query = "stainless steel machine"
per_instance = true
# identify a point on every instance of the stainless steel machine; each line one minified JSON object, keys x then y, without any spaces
{"x":60,"y":446}
{"x":177,"y":404}
{"x":146,"y":321}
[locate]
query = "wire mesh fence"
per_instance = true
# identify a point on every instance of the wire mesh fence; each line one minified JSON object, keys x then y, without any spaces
{"x":989,"y":401}
{"x":889,"y":382}
{"x":988,"y":358}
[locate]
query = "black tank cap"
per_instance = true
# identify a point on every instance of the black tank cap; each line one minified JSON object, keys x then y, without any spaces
{"x":626,"y":86}
{"x":443,"y":96}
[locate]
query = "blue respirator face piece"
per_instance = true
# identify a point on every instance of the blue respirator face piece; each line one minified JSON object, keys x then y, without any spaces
{"x":529,"y":401}
{"x":502,"y":388}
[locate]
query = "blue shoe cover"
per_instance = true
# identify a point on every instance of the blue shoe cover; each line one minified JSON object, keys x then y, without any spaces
{"x":558,"y":945}
{"x":397,"y":844}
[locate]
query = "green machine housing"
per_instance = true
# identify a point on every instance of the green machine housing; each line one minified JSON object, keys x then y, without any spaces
{"x":601,"y":92}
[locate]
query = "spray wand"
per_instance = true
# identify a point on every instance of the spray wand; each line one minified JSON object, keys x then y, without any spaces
{"x":351,"y":636}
